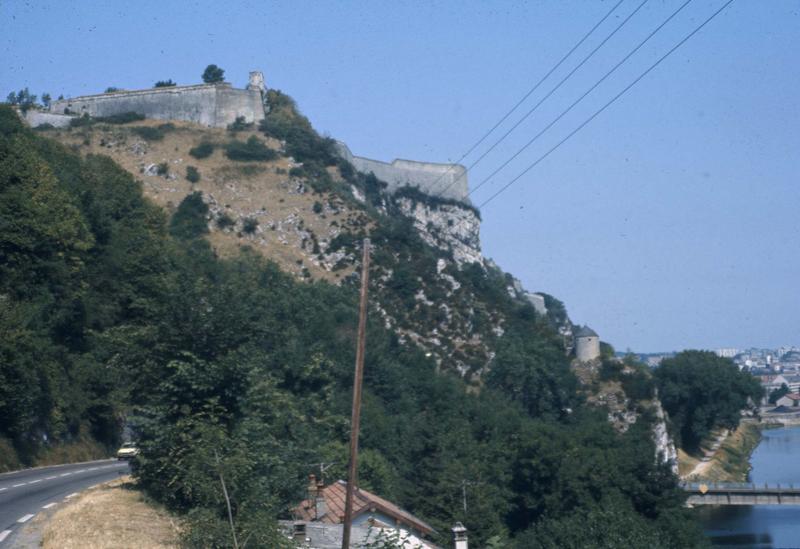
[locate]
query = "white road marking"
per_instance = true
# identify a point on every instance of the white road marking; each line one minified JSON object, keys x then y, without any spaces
{"x":72,"y":495}
{"x":35,"y":481}
{"x":26,"y":518}
{"x":3,"y":489}
{"x":50,"y":478}
{"x":18,"y":485}
{"x":64,"y":474}
{"x":81,"y":471}
{"x":49,"y":505}
{"x":4,"y":534}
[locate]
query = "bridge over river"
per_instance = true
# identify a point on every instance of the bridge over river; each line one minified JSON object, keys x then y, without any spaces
{"x":724,"y":493}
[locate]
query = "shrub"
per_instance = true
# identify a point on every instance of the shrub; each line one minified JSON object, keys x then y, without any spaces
{"x":250,"y":225}
{"x":317,"y":208}
{"x":253,"y":149}
{"x":224,"y":221}
{"x":203,"y":150}
{"x":189,"y":221}
{"x":162,"y":169}
{"x":284,"y":122}
{"x":239,"y":124}
{"x":192,"y":174}
{"x":112,"y":89}
{"x":151,"y":133}
{"x":121,"y":118}
{"x":213,"y":74}
{"x":164,"y":84}
{"x":81,"y":121}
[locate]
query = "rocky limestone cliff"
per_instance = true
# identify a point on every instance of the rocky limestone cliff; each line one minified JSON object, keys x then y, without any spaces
{"x":665,"y":446}
{"x":452,"y":228}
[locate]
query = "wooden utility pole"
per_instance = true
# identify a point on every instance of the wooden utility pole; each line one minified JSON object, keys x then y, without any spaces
{"x":355,"y":421}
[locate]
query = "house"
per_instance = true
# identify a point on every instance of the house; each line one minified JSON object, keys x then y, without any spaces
{"x":323,"y":512}
{"x":789,"y":400}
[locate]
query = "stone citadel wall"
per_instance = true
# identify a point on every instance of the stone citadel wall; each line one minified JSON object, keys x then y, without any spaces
{"x":448,"y":179}
{"x":217,"y":105}
{"x":213,"y":105}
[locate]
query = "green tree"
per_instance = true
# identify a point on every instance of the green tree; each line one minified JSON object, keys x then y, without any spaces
{"x":701,"y":391}
{"x":776,"y":394}
{"x":213,"y":74}
{"x":190,"y":219}
{"x":164,"y":84}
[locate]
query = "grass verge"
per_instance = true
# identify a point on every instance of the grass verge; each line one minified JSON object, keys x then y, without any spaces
{"x":113,"y":515}
{"x":731,"y":462}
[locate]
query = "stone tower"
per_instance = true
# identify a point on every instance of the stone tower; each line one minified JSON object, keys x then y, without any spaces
{"x":587,"y":344}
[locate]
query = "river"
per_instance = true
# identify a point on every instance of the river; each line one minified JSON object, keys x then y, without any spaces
{"x":775,"y":460}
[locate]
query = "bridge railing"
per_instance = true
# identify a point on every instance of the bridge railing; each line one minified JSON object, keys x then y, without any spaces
{"x":737,"y":486}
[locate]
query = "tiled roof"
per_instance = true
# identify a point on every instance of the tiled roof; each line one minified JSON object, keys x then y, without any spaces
{"x":363,"y":501}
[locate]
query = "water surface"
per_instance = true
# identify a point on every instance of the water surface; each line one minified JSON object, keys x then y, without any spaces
{"x":776,"y":460}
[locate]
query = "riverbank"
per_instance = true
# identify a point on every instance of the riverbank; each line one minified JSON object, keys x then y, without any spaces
{"x":729,"y":462}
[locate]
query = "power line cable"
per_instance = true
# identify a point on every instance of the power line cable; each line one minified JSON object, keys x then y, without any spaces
{"x":581,"y":98}
{"x":547,"y":96}
{"x":604,"y":107}
{"x":533,"y":89}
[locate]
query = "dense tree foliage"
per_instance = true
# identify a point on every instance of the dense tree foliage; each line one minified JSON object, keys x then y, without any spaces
{"x":232,"y":369}
{"x":701,"y":391}
{"x":213,"y":74}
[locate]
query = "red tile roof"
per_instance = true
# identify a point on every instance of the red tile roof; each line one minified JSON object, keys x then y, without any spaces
{"x":363,"y":501}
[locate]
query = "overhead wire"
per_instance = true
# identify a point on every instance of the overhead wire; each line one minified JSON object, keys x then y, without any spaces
{"x":546,"y":97}
{"x":581,"y":98}
{"x":533,"y":89}
{"x":608,"y":104}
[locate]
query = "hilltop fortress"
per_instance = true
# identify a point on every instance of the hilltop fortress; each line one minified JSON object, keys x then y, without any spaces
{"x":218,"y":105}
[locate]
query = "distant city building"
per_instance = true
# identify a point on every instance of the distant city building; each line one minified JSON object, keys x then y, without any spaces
{"x":727,"y":352}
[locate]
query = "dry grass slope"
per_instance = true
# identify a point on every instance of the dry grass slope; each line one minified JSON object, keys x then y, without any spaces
{"x":113,"y":515}
{"x":294,"y":224}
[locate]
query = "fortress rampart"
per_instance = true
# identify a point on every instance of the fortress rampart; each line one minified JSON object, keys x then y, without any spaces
{"x":217,"y":105}
{"x":448,"y":179}
{"x":213,"y":105}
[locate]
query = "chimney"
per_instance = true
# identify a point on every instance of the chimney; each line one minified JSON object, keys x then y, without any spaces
{"x":321,"y":508}
{"x":459,"y":536}
{"x":312,"y":486}
{"x":299,"y":531}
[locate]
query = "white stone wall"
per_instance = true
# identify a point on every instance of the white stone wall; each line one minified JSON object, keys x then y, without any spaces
{"x":445,"y":180}
{"x":36,"y":118}
{"x":213,"y":105}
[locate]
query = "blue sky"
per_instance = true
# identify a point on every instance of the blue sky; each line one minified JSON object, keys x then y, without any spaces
{"x":669,"y":222}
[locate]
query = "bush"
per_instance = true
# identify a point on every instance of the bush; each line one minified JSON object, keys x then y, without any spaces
{"x":151,"y":133}
{"x":284,"y":122}
{"x":239,"y":125}
{"x":203,"y":150}
{"x":192,"y":174}
{"x":224,"y":221}
{"x":81,"y":121}
{"x":252,"y":150}
{"x":213,"y":74}
{"x":164,"y":84}
{"x":189,"y":221}
{"x":317,"y":208}
{"x":250,"y":225}
{"x":162,"y":169}
{"x":121,"y":118}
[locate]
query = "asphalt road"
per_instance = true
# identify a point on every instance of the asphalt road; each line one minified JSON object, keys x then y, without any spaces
{"x":25,"y":493}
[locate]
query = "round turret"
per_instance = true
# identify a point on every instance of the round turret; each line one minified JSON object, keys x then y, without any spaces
{"x":587,"y":344}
